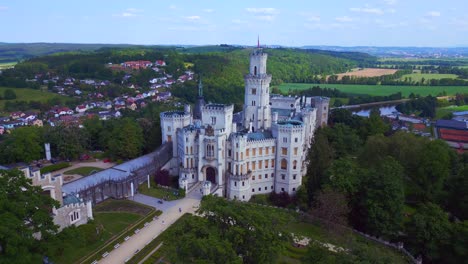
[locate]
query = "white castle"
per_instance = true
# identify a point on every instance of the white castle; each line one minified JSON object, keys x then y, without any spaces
{"x":236,"y":155}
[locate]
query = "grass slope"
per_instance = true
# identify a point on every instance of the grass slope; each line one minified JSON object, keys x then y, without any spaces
{"x":26,"y":94}
{"x":378,"y":89}
{"x":83,"y":171}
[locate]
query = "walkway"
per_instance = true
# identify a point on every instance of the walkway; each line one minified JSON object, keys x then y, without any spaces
{"x":170,"y":214}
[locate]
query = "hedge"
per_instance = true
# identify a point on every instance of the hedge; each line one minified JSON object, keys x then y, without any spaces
{"x":55,"y":167}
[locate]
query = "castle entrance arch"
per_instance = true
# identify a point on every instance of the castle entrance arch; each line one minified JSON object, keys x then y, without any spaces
{"x":211,"y":175}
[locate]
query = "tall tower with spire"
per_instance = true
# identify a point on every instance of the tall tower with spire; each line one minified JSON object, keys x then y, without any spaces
{"x":197,"y":111}
{"x":257,"y":111}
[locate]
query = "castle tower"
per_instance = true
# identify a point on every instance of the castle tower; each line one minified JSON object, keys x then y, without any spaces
{"x":257,"y":93}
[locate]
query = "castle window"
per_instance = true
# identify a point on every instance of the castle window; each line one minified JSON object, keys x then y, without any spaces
{"x":169,"y":138}
{"x":272,"y":175}
{"x":266,"y":188}
{"x":253,"y":104}
{"x":272,"y":187}
{"x":253,"y":178}
{"x":282,"y":189}
{"x":294,"y":189}
{"x":285,"y":140}
{"x":254,"y":163}
{"x":260,"y":165}
{"x":169,"y":129}
{"x":294,"y":176}
{"x":284,"y":151}
{"x":284,"y":164}
{"x":186,"y":139}
{"x":296,"y":139}
{"x":254,"y":91}
{"x":191,"y":150}
{"x":243,"y":183}
{"x":273,"y":150}
{"x":74,"y":216}
{"x":283,"y":176}
{"x":266,"y":164}
{"x":243,"y":197}
{"x":272,"y":163}
{"x":259,"y":176}
{"x":193,"y":176}
{"x":295,"y":151}
{"x":295,"y":164}
{"x":229,"y":167}
{"x":210,"y":150}
{"x":266,"y":176}
{"x":253,"y":189}
{"x":260,"y":151}
{"x":229,"y":153}
{"x":213,"y":120}
{"x":254,"y":152}
{"x":255,"y":70}
{"x":267,"y":150}
{"x":235,"y":183}
{"x":247,"y":152}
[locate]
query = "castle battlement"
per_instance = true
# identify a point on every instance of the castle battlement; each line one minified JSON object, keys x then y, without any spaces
{"x":218,"y":107}
{"x":174,"y":115}
{"x":265,"y":141}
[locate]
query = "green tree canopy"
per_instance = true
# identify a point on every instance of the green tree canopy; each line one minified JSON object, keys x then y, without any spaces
{"x":24,"y":144}
{"x":24,"y":211}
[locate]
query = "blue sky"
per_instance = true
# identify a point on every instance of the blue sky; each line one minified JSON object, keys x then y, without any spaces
{"x":291,"y":23}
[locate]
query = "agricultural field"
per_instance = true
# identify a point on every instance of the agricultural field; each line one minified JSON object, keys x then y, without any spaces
{"x":26,"y":94}
{"x":367,"y":72}
{"x":377,"y":90}
{"x":417,"y":77}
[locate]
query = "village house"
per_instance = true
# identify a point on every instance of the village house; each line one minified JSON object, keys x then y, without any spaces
{"x":81,"y":109}
{"x":16,"y":115}
{"x":160,"y":63}
{"x":136,"y":65}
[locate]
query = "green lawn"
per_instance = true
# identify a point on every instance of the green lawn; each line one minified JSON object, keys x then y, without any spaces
{"x":113,"y":218}
{"x":112,"y":223}
{"x":26,"y":94}
{"x":416,"y":77}
{"x":159,"y":192}
{"x":83,"y":171}
{"x":456,"y":108}
{"x":378,"y":90}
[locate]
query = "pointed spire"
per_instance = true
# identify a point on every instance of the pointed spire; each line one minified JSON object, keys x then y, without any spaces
{"x":200,"y":87}
{"x":258,"y":41}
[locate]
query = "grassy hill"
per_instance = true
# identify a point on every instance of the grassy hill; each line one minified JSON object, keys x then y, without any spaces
{"x":26,"y":94}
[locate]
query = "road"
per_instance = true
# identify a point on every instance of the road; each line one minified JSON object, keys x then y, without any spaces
{"x":170,"y":214}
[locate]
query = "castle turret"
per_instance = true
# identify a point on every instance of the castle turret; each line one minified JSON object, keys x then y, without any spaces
{"x":257,"y":92}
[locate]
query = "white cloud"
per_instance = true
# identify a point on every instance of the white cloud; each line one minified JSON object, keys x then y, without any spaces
{"x":344,"y":19}
{"x":208,"y":10}
{"x":3,"y":8}
{"x":192,"y":18}
{"x":369,"y":10}
{"x":263,"y":10}
{"x":390,"y":2}
{"x":238,"y":21}
{"x":265,"y":18}
{"x":129,"y":12}
{"x":433,"y":14}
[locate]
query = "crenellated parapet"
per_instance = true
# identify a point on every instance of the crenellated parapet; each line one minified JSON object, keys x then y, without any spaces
{"x":174,"y":115}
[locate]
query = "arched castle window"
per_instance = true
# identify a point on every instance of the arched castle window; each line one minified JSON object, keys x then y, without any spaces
{"x":284,"y":164}
{"x":255,"y":70}
{"x":295,"y":164}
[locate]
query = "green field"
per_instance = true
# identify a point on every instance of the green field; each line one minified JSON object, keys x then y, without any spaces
{"x":416,"y":77}
{"x":377,"y":90}
{"x":6,"y":65}
{"x":26,"y":94}
{"x":83,"y":171}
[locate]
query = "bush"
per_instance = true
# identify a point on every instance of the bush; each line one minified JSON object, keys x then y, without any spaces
{"x":181,"y":192}
{"x":9,"y":94}
{"x":55,"y":167}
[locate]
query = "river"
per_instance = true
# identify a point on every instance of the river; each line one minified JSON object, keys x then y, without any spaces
{"x":384,"y":110}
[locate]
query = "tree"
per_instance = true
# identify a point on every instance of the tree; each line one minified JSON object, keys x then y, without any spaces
{"x":256,"y":236}
{"x":198,"y":242}
{"x":320,"y":157}
{"x":24,"y":144}
{"x":332,"y":207}
{"x":24,"y":211}
{"x":9,"y":94}
{"x":67,"y":141}
{"x":429,"y":232}
{"x":126,"y":140}
{"x":383,"y":198}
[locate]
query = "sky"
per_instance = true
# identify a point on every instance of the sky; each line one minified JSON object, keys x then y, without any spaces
{"x":435,"y":23}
